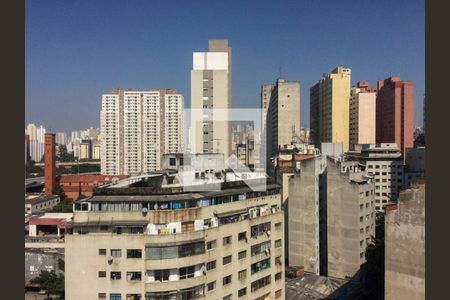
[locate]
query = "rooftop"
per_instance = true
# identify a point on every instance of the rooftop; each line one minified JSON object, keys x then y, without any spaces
{"x":38,"y":198}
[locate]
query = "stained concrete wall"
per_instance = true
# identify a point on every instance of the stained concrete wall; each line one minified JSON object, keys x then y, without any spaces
{"x":303,"y":221}
{"x":405,"y":247}
{"x":345,"y":227}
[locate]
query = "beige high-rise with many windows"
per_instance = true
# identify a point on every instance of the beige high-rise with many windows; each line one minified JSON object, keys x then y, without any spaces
{"x":225,"y":244}
{"x":211,"y":96}
{"x":329,"y":108}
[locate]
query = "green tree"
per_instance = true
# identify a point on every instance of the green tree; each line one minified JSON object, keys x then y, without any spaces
{"x":65,"y":156}
{"x":374,"y":277}
{"x":51,"y":283}
{"x":65,"y":205}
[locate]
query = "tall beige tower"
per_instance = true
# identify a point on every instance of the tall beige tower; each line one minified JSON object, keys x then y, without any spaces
{"x":362,"y":114}
{"x":330,"y":104}
{"x":283,"y":115}
{"x":211,"y":94}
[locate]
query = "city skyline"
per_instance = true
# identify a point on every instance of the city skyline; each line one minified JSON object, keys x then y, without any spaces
{"x":61,"y":44}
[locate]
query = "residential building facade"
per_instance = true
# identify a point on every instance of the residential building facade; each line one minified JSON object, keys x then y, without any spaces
{"x":395,"y":112}
{"x":385,"y":163}
{"x":362,"y":115}
{"x":131,"y":130}
{"x":283,"y":115}
{"x":211,"y":98}
{"x":224,"y":244}
{"x":329,"y":108}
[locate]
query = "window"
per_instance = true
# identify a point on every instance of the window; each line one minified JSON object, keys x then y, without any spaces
{"x":242,"y":254}
{"x":211,"y":245}
{"x":134,"y":253}
{"x":134,"y":276}
{"x":242,"y":274}
{"x":210,"y":265}
{"x":242,"y":236}
{"x":278,"y":243}
{"x":101,"y":296}
{"x":242,"y":292}
{"x":101,"y":274}
{"x":162,"y":275}
{"x":278,"y":294}
{"x":227,"y":240}
{"x":227,"y":260}
{"x":278,"y":226}
{"x":115,"y":297}
{"x":259,"y":248}
{"x":187,"y":272}
{"x":172,"y":161}
{"x":256,"y":285}
{"x":226,"y":280}
{"x":278,"y":276}
{"x":116,"y":275}
{"x":211,"y":286}
{"x":260,"y":265}
{"x":116,"y":252}
{"x":134,"y":297}
{"x":101,"y":251}
{"x":227,"y":297}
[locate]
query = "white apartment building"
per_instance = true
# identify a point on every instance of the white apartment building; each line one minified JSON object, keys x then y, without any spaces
{"x":133,"y":130}
{"x":385,"y":163}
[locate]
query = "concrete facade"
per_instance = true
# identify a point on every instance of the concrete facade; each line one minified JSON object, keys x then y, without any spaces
{"x":405,"y":246}
{"x":211,"y":92}
{"x":362,"y":115}
{"x":331,"y":217}
{"x":385,"y":163}
{"x":329,"y":108}
{"x":226,"y":244}
{"x":283,"y":115}
{"x":395,"y":112}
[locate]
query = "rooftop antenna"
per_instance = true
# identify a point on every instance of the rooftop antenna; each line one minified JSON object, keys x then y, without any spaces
{"x":279,"y":69}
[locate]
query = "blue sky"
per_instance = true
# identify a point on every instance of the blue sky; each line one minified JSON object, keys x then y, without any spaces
{"x":77,"y":50}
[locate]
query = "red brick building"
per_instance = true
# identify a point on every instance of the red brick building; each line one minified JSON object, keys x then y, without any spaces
{"x":395,"y":112}
{"x":50,"y":163}
{"x":75,"y":186}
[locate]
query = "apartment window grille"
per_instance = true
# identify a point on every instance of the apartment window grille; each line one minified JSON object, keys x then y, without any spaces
{"x":226,"y":280}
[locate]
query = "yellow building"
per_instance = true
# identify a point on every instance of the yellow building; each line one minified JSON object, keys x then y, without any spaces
{"x":330,"y":102}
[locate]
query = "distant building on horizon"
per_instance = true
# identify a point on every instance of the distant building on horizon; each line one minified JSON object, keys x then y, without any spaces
{"x":132,"y":132}
{"x":211,"y":89}
{"x":329,"y":108}
{"x":395,"y":112}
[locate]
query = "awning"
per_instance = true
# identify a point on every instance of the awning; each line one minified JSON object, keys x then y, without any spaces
{"x":232,"y":213}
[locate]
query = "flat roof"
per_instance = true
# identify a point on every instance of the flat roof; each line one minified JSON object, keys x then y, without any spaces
{"x":173,"y":196}
{"x":41,"y":199}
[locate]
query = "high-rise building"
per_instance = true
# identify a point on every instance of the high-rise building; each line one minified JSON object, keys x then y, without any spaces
{"x":329,"y":108}
{"x":405,"y":246}
{"x":362,"y":114}
{"x":85,"y":149}
{"x":283,"y":116}
{"x":384,"y":162}
{"x":50,"y":163}
{"x":61,"y":138}
{"x":37,"y":141}
{"x":414,"y":166}
{"x":331,"y":217}
{"x":266,"y":94}
{"x":177,"y":245}
{"x":395,"y":112}
{"x":131,"y":130}
{"x":211,"y":88}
